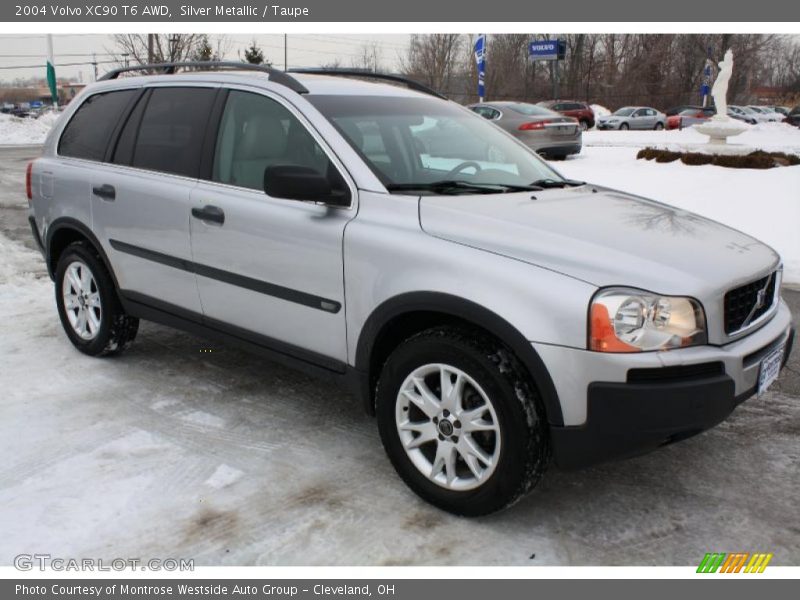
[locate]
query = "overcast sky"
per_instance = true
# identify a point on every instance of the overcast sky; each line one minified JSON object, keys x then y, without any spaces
{"x":306,"y":50}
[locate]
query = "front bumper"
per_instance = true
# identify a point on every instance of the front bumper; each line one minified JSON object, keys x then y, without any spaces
{"x":620,"y":405}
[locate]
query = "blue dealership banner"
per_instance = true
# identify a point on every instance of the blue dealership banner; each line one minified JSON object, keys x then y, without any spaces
{"x":480,"y":61}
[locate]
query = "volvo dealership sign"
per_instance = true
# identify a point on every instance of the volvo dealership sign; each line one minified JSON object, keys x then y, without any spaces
{"x":547,"y":50}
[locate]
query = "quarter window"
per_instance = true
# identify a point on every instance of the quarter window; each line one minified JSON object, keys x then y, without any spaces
{"x":88,"y":132}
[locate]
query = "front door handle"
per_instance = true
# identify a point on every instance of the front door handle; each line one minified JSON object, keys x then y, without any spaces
{"x":209,"y":212}
{"x":105,"y":191}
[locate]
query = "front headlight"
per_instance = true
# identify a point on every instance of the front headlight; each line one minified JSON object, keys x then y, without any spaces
{"x":631,"y":320}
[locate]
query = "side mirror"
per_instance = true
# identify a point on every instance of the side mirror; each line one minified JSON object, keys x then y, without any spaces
{"x":295,"y":182}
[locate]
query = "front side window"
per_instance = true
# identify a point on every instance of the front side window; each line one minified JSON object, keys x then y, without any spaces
{"x":408,"y":141}
{"x":88,"y":132}
{"x":170,"y":135}
{"x":257,"y":132}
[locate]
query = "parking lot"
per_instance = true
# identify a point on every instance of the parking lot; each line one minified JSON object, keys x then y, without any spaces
{"x":181,"y":448}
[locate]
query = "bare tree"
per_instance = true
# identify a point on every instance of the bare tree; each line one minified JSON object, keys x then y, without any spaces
{"x":168,"y":47}
{"x":434,"y":59}
{"x":368,"y":58}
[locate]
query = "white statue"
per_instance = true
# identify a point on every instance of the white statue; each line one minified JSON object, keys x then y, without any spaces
{"x":720,"y":127}
{"x":720,"y":89}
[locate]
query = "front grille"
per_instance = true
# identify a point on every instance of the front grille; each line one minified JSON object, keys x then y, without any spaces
{"x":742,"y":304}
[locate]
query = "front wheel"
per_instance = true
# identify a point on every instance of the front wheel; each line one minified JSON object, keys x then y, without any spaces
{"x":624,"y":126}
{"x":88,"y":306}
{"x":461,"y":422}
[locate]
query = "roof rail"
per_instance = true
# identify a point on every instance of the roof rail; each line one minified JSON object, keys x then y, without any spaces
{"x":170,"y":68}
{"x":367,"y":74}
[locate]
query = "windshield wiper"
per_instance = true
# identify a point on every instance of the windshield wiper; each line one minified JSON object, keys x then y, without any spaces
{"x":455,"y":185}
{"x":557,"y":183}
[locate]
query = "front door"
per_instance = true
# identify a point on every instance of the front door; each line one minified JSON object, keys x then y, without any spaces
{"x":270,"y":267}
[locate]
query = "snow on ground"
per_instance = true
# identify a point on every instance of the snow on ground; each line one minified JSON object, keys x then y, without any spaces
{"x":762,"y":203}
{"x":225,"y":458}
{"x":15,"y":131}
{"x":765,"y":136}
{"x":600,"y":111}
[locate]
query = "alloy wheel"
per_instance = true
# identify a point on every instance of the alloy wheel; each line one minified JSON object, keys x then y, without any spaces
{"x":448,"y":427}
{"x":82,"y":303}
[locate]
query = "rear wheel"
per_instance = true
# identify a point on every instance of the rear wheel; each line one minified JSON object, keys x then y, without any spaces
{"x":460,"y":421}
{"x":88,"y":306}
{"x":659,"y":126}
{"x":584,"y":125}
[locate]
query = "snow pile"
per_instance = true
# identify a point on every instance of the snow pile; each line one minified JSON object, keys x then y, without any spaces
{"x":19,"y":265}
{"x":600,"y":111}
{"x":776,"y":137}
{"x":761,"y":203}
{"x":15,"y":131}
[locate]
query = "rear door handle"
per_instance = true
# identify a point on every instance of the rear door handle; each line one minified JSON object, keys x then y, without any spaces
{"x":105,"y":191}
{"x":209,"y":212}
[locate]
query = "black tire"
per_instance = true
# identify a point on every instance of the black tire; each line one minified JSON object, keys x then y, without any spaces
{"x":524,"y":453}
{"x":624,"y":126}
{"x":117,"y":330}
{"x":659,"y":126}
{"x":585,"y":126}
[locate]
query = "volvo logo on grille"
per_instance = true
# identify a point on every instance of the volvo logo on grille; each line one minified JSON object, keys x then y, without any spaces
{"x":760,"y":297}
{"x":761,"y":302}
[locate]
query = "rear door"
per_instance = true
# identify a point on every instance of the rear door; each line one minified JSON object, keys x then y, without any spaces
{"x":141,"y":200}
{"x":270,"y":269}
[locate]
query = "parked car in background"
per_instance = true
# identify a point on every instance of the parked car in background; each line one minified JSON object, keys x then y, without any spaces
{"x":633,"y":117}
{"x":572,"y":108}
{"x":546,"y":131}
{"x":675,"y":110}
{"x":690,"y":116}
{"x":781,"y":110}
{"x":743,"y":113}
{"x":763,"y":115}
{"x":793,"y":118}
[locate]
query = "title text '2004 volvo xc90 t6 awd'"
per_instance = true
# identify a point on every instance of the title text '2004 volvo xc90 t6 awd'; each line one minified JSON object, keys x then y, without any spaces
{"x":494,"y":315}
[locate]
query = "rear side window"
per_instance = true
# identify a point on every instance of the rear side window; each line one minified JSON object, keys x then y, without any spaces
{"x":88,"y":132}
{"x":170,"y":135}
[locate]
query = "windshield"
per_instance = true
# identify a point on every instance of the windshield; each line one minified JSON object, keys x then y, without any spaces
{"x":408,"y":141}
{"x":624,"y":112}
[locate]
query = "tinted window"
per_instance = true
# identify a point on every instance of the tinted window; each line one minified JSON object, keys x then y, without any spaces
{"x":123,"y":153}
{"x":171,"y":133}
{"x":89,"y":130}
{"x":257,"y":132}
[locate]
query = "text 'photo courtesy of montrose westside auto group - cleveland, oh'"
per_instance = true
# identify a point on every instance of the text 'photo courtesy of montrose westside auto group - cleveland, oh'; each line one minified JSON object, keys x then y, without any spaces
{"x":358,"y":299}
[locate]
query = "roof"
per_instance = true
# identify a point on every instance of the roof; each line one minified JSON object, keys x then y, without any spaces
{"x":316,"y":84}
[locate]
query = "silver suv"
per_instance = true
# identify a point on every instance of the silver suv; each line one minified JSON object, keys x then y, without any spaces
{"x":494,"y":315}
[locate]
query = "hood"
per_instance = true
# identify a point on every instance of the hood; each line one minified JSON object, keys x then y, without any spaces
{"x":603,"y":238}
